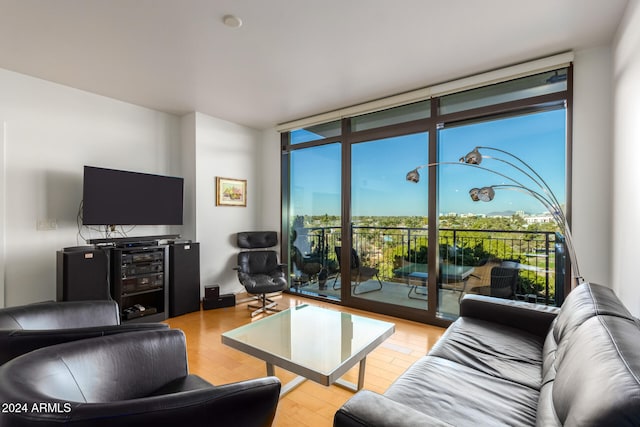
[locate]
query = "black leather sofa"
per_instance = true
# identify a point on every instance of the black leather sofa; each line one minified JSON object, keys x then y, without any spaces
{"x":134,"y":379}
{"x":508,"y":363}
{"x":28,"y":327}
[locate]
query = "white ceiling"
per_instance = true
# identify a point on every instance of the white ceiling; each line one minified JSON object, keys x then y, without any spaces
{"x":291,"y":58}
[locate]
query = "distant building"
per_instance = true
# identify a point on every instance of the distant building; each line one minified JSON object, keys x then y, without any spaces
{"x":539,"y":218}
{"x":472,"y":215}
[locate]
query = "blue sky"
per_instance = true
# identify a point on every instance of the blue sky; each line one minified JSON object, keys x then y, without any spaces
{"x":379,"y":168}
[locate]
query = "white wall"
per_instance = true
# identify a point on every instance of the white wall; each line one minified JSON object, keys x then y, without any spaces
{"x":188,"y":160}
{"x":51,"y":132}
{"x":2,"y":210}
{"x":227,"y":150}
{"x":592,"y":163}
{"x":626,"y":143}
{"x":271,"y":215}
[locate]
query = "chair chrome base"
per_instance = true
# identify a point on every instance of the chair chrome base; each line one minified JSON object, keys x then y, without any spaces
{"x":266,"y":305}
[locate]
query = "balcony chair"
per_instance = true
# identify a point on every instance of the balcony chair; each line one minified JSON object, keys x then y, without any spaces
{"x":128,"y":380}
{"x":258,"y":269}
{"x":307,"y":270}
{"x":504,"y":280}
{"x":359,"y":273}
{"x":29,"y":327}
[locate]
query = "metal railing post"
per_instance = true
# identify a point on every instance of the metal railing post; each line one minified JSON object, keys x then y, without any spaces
{"x":546,"y":269}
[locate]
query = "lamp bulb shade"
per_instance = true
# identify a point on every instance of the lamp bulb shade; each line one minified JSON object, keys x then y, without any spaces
{"x":413,"y":176}
{"x":486,"y":194}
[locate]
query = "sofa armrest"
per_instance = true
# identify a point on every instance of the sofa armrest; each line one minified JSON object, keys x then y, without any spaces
{"x":18,"y":342}
{"x":367,"y":408}
{"x":532,"y":318}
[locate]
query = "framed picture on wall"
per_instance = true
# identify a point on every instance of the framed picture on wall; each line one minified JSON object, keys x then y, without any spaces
{"x":231,"y":192}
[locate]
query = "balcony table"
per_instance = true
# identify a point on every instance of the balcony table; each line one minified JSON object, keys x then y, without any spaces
{"x":417,"y":275}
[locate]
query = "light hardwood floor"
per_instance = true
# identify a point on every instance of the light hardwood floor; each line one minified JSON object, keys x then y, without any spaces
{"x":311,"y":404}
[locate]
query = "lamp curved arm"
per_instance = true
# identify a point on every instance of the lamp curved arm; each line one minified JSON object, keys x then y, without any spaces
{"x":542,"y":183}
{"x":558,"y":217}
{"x":414,"y":176}
{"x":554,"y":209}
{"x":549,"y":201}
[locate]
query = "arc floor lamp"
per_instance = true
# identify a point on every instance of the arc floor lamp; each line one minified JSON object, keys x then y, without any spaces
{"x":537,"y":188}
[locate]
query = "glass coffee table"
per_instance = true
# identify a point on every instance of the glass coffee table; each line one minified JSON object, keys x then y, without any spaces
{"x":313,"y":342}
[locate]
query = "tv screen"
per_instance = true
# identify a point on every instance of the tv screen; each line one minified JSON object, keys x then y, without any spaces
{"x":116,"y":197}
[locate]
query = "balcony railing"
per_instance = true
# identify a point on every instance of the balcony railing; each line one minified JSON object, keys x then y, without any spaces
{"x":388,"y":248}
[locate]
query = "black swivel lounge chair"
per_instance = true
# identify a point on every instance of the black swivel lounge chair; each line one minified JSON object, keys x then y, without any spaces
{"x":28,"y":327}
{"x":136,"y":379}
{"x":258,"y":268}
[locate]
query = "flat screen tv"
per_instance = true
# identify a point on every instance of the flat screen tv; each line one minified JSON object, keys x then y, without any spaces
{"x":116,"y":197}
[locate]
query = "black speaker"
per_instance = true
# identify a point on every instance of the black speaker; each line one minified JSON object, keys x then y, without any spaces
{"x":224,"y":300}
{"x":184,"y":278}
{"x":82,"y":274}
{"x":212,"y":291}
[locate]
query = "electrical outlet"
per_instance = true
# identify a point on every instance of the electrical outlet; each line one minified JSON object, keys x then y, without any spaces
{"x":46,"y":224}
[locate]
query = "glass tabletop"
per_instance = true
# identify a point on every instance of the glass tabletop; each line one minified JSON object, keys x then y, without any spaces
{"x":307,"y":338}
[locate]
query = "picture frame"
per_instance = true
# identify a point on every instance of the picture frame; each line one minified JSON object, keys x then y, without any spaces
{"x":231,"y":192}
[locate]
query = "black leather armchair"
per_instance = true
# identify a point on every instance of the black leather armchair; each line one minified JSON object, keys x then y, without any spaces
{"x":259,"y":270}
{"x":29,"y":327}
{"x":136,"y":379}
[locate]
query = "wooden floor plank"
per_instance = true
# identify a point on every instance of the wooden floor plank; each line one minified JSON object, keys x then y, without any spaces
{"x":311,"y":404}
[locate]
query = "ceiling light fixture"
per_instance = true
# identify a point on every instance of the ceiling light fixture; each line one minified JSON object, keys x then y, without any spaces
{"x":232,"y":21}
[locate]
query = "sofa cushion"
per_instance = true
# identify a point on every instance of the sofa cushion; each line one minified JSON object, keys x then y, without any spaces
{"x":597,"y":380}
{"x":368,"y":408}
{"x":493,"y":349}
{"x":584,"y":302}
{"x":462,"y":396}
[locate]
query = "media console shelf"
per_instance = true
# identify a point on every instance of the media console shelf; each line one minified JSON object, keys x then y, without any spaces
{"x":140,"y":282}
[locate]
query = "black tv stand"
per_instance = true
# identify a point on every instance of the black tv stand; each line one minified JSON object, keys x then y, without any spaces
{"x":150,"y":277}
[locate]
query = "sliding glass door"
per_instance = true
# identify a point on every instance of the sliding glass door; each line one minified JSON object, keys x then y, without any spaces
{"x":368,"y":223}
{"x":315,"y":220}
{"x":503,"y":244}
{"x":388,"y":261}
